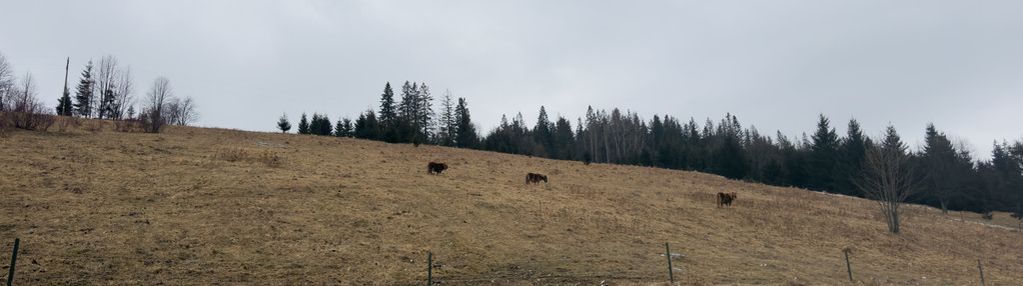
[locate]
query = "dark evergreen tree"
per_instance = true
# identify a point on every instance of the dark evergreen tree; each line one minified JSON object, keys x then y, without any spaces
{"x":852,"y":152}
{"x":939,"y":164}
{"x":367,"y":126}
{"x":64,"y":105}
{"x":108,"y":105}
{"x":465,"y":137}
{"x":424,"y":114}
{"x":388,"y":115}
{"x":344,"y":128}
{"x":84,"y":96}
{"x":563,"y":140}
{"x":823,"y":156}
{"x":320,"y":125}
{"x":282,"y":124}
{"x":543,"y":134}
{"x":448,"y":124}
{"x":303,"y":125}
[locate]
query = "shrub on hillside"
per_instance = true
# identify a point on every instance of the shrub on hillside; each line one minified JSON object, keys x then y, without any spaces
{"x":152,"y":120}
{"x":128,"y":125}
{"x":267,"y":157}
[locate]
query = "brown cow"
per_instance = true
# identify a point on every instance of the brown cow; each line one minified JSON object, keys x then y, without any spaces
{"x":533,"y":178}
{"x":726,"y":199}
{"x":436,"y":168}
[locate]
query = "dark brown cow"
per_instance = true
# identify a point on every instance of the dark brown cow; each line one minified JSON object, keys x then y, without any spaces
{"x":534,"y":178}
{"x":726,"y":199}
{"x":436,"y":168}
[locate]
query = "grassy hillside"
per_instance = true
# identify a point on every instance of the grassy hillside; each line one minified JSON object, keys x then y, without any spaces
{"x":208,"y":206}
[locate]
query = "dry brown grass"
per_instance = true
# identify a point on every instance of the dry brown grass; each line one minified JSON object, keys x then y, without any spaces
{"x":209,"y":206}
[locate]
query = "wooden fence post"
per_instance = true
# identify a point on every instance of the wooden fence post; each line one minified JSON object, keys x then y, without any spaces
{"x":667,"y":253}
{"x":848,"y":267}
{"x":981,"y":268}
{"x":14,"y":261}
{"x":429,"y":268}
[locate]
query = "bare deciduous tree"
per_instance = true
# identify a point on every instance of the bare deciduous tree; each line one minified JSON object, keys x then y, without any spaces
{"x":181,"y":111}
{"x":26,"y":111}
{"x":153,"y":113}
{"x":6,"y":82}
{"x":107,"y":76}
{"x":125,"y":88}
{"x":887,"y":177}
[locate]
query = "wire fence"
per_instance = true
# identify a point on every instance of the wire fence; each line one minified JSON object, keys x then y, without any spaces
{"x":664,"y":267}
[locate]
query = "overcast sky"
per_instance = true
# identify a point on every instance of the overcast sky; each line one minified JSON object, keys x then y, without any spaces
{"x":776,"y":64}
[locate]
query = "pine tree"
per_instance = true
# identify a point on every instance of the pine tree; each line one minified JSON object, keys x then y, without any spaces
{"x":282,"y":124}
{"x":320,"y":125}
{"x":407,"y":127}
{"x":388,"y":114}
{"x":64,"y":105}
{"x":367,"y":126}
{"x":946,"y":169}
{"x":823,"y":156}
{"x":543,"y":134}
{"x":344,"y":128}
{"x":424,"y":113}
{"x":108,"y":105}
{"x":83,"y":98}
{"x":465,"y":137}
{"x":852,"y":151}
{"x":447,"y":124}
{"x":323,"y":127}
{"x":563,"y":140}
{"x":303,"y":125}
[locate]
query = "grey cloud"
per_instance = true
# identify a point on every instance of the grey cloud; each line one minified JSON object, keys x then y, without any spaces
{"x":775,"y":64}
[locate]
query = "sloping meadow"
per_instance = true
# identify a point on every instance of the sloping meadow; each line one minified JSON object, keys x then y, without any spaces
{"x":198,"y":206}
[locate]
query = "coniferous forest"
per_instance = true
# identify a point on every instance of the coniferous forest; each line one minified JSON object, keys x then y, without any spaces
{"x":945,"y":174}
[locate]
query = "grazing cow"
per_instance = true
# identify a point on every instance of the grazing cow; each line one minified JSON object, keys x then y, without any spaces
{"x":436,"y":168}
{"x":533,"y":178}
{"x":726,"y":199}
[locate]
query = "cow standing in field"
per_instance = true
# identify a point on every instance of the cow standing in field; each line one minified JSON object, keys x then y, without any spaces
{"x":436,"y":168}
{"x":534,"y":178}
{"x":726,"y":199}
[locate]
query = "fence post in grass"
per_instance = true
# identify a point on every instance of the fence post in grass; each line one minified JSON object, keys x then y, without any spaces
{"x":848,"y":267}
{"x":667,"y":253}
{"x":981,"y":268}
{"x":429,"y":268}
{"x":14,"y":260}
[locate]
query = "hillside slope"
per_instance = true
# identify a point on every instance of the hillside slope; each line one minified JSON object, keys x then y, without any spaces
{"x":208,"y":206}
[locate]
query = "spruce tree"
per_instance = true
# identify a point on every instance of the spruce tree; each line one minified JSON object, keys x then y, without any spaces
{"x":424,"y":113}
{"x":407,"y":126}
{"x":367,"y":126}
{"x":344,"y":128}
{"x":852,"y":151}
{"x":563,"y":140}
{"x":64,"y":105}
{"x":447,"y":123}
{"x":283,"y":124}
{"x":388,"y":114}
{"x":543,"y":134}
{"x":324,"y":128}
{"x":947,"y":170}
{"x":465,"y":137}
{"x":84,"y":95}
{"x":303,"y":125}
{"x":823,"y":156}
{"x":108,"y":105}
